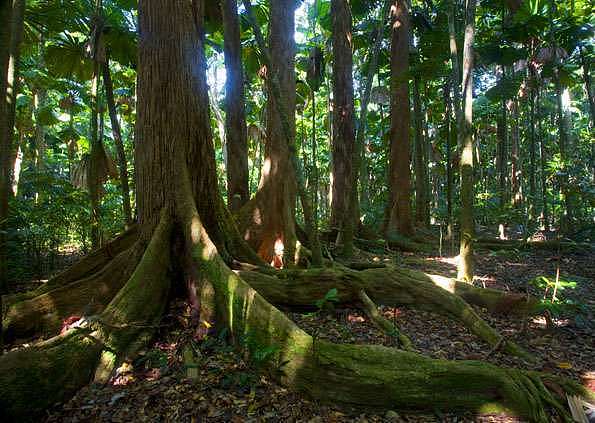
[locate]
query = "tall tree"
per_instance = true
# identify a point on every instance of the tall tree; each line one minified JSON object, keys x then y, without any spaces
{"x":117,"y":134}
{"x":343,"y":133}
{"x":422,"y":211}
{"x":399,"y":211}
{"x":238,"y":192}
{"x":467,"y":223}
{"x":11,"y":30}
{"x":269,"y":218}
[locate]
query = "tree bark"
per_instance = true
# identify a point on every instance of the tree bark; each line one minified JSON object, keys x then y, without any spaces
{"x":343,"y":141}
{"x":269,"y":218}
{"x":422,"y":215}
{"x":117,"y":133}
{"x":11,"y":23}
{"x":399,"y":218}
{"x":467,"y":231}
{"x":515,"y":168}
{"x":238,"y":191}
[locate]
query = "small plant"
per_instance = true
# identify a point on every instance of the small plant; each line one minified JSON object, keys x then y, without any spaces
{"x":327,"y":303}
{"x":259,"y":354}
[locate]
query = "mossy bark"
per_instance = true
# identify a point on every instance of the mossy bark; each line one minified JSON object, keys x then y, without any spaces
{"x":35,"y":378}
{"x":44,"y":314}
{"x":367,"y":376}
{"x":389,"y":286}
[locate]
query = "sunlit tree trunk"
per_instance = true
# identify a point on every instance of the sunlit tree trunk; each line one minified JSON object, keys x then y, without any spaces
{"x":117,"y":133}
{"x":343,"y":141}
{"x":269,"y":218}
{"x":399,"y":210}
{"x":465,"y":266}
{"x":563,"y":111}
{"x":238,"y":192}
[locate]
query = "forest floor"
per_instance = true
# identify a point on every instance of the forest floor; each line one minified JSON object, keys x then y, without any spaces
{"x":223,"y":385}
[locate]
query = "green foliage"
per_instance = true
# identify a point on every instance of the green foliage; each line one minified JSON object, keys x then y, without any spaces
{"x":327,"y":302}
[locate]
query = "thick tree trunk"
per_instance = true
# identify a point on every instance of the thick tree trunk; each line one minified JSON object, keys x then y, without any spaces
{"x":399,"y":218}
{"x":465,"y":265}
{"x":343,"y":141}
{"x":238,"y":191}
{"x":11,"y":23}
{"x":117,"y":133}
{"x":269,"y":218}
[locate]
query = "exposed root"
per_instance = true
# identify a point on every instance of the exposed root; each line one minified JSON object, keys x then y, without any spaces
{"x":88,"y":265}
{"x":361,"y":375}
{"x":553,"y":245}
{"x":384,"y":324}
{"x":35,"y":378}
{"x":45,"y":313}
{"x":389,"y":286}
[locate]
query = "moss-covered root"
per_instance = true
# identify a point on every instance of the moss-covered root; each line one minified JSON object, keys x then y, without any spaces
{"x":367,"y":376}
{"x":390,"y":286}
{"x":383,"y":323}
{"x":380,"y":377}
{"x":85,"y":267}
{"x":33,"y":379}
{"x":45,"y":313}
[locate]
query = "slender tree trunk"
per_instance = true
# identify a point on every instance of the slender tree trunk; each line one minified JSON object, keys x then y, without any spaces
{"x":515,"y":179}
{"x":399,"y":220}
{"x":117,"y":133}
{"x":95,"y":158}
{"x":532,"y":150}
{"x":455,"y":73}
{"x":11,"y":30}
{"x":465,"y":266}
{"x":343,"y":141}
{"x":421,"y":194}
{"x":563,"y":103}
{"x":589,"y":89}
{"x":448,"y":114}
{"x":545,"y":221}
{"x":238,"y":191}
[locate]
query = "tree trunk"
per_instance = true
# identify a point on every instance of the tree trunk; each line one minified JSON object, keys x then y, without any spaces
{"x":515,"y":172}
{"x":117,"y":133}
{"x":591,"y":97}
{"x":545,"y":221}
{"x":238,"y":191}
{"x":421,"y":165}
{"x":11,"y":29}
{"x":449,"y":179}
{"x":269,"y":218}
{"x":95,"y":158}
{"x":399,"y":220}
{"x":532,"y":148}
{"x":465,"y":266}
{"x":343,"y":141}
{"x":455,"y":73}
